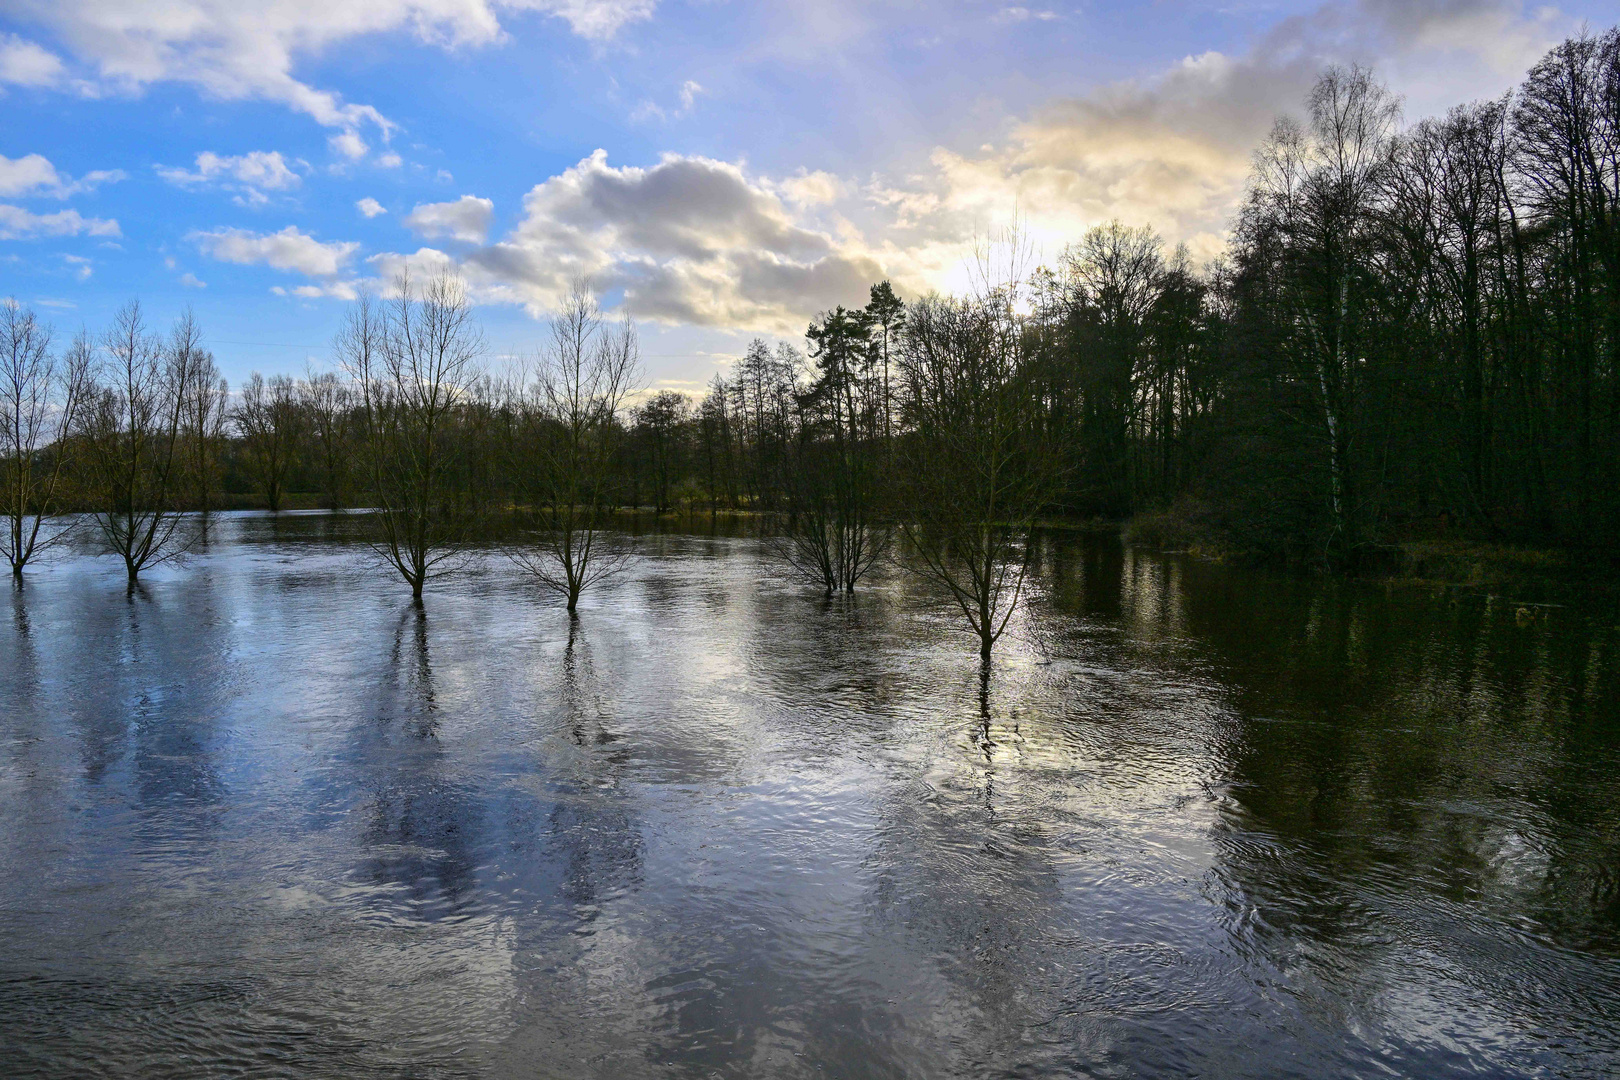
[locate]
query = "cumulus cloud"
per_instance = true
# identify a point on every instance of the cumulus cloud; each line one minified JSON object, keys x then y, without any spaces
{"x":289,"y":250}
{"x":27,"y":175}
{"x":468,"y":219}
{"x":23,"y":63}
{"x":348,"y":145}
{"x":688,"y":240}
{"x":1173,"y":150}
{"x":812,"y":188}
{"x":236,"y":51}
{"x":251,"y":174}
{"x":82,"y":267}
{"x":191,"y":281}
{"x":705,"y":242}
{"x":19,"y":224}
{"x":698,"y":241}
{"x":34,"y":175}
{"x":421,"y":264}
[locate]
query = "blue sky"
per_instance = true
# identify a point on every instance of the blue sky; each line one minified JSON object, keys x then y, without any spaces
{"x":721,"y":169}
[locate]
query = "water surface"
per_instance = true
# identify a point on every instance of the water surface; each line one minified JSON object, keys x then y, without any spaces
{"x":265,"y":818}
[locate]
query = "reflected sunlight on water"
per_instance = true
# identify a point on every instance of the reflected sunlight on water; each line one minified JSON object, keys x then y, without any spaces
{"x":265,"y":816}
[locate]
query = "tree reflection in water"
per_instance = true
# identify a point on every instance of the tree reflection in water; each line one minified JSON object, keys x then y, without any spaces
{"x":1192,"y":820}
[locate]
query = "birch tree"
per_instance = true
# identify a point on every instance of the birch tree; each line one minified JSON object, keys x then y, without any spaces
{"x":1315,"y":203}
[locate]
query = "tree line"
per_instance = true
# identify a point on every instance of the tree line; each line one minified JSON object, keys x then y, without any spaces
{"x":1413,"y":329}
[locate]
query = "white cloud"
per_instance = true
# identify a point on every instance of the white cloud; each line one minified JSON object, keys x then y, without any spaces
{"x":390,"y":160}
{"x":689,"y":240}
{"x":288,"y":250}
{"x":1173,"y":150}
{"x":370,"y":207}
{"x":812,"y":188}
{"x":1024,"y":14}
{"x":688,"y":93}
{"x":698,"y":241}
{"x":82,"y":267}
{"x":349,"y":145}
{"x":241,"y":51}
{"x":337,"y":290}
{"x":19,"y":224}
{"x":23,"y":63}
{"x":596,"y":20}
{"x":421,"y":264}
{"x":191,"y":281}
{"x":468,"y":218}
{"x":250,"y":174}
{"x":34,"y":175}
{"x":27,"y":175}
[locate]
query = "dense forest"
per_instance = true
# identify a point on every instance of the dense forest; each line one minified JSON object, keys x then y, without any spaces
{"x":1413,"y":333}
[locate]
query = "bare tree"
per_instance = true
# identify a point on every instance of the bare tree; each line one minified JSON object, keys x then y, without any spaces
{"x":269,"y":420}
{"x":715,"y":431}
{"x":41,"y":396}
{"x":571,"y":426}
{"x":661,"y":422}
{"x":1113,"y":281}
{"x":976,"y":464}
{"x":326,"y":403}
{"x":202,"y":423}
{"x":130,"y":434}
{"x":413,"y":361}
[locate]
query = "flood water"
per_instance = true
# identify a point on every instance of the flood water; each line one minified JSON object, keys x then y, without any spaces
{"x":265,"y":818}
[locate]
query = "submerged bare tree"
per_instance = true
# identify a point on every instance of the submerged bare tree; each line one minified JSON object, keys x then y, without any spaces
{"x":413,"y":361}
{"x":41,"y":396}
{"x":976,"y":465}
{"x":130,"y":438}
{"x":569,"y":432}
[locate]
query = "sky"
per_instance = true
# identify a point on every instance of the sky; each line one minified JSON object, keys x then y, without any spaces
{"x":718,"y":169}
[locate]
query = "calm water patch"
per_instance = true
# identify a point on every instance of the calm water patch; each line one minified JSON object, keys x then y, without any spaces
{"x":263,"y":817}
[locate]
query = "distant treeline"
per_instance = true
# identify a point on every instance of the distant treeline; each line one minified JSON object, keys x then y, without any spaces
{"x":1413,"y":330}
